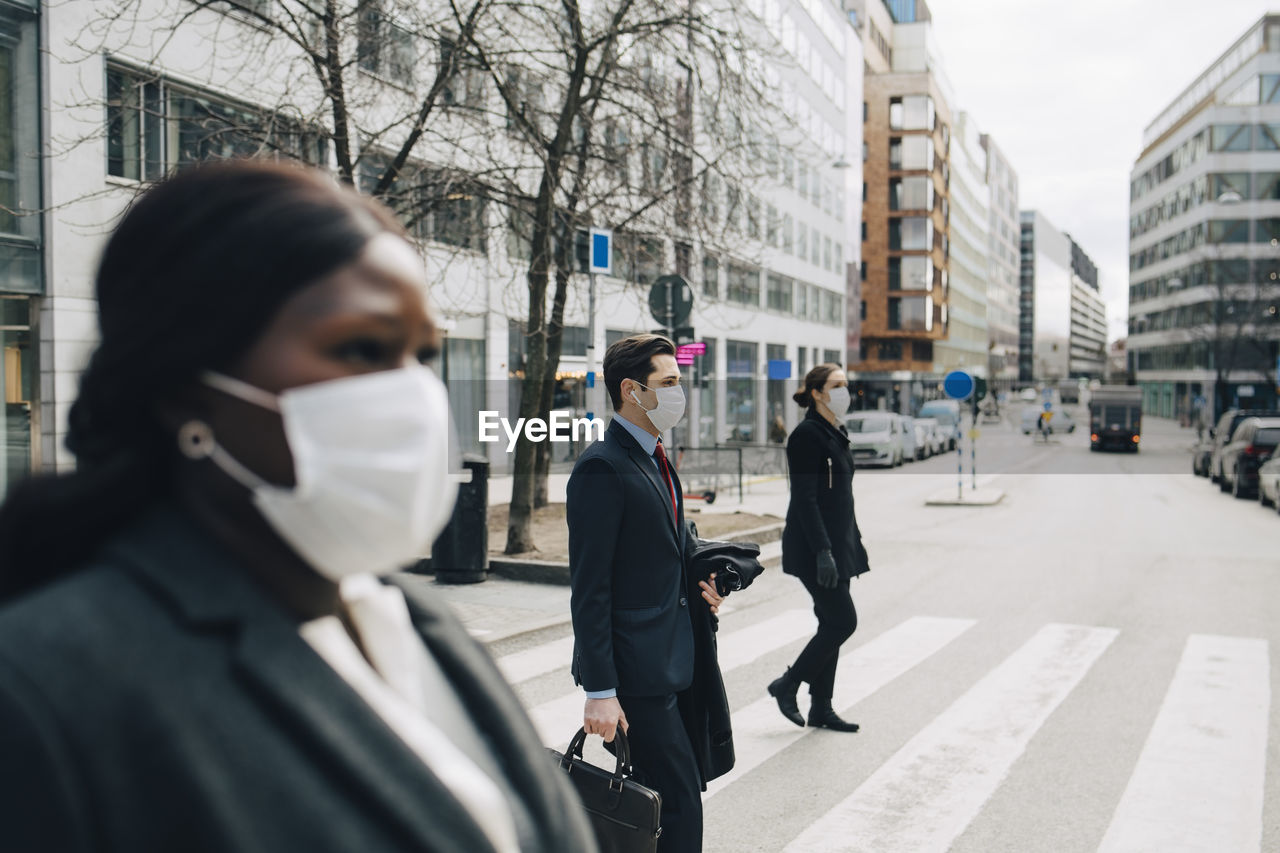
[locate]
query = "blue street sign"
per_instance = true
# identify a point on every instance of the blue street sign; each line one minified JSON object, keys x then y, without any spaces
{"x":591,"y":379}
{"x":601,"y":251}
{"x":1048,"y":407}
{"x":957,"y":385}
{"x":779,"y":368}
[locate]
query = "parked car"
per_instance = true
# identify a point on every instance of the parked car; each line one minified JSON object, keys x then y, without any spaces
{"x":1253,"y":440}
{"x":947,"y":413}
{"x":907,"y":436}
{"x":1200,"y":456}
{"x":1269,"y":481}
{"x":1060,"y":422}
{"x":1221,"y":435}
{"x":927,"y":439}
{"x":874,"y":438}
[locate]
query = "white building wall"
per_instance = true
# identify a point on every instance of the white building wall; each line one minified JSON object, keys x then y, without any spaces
{"x":965,"y":346}
{"x":475,"y":294}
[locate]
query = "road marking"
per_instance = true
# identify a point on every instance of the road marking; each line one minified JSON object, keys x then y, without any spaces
{"x":539,"y":660}
{"x":922,"y":798}
{"x":759,"y":732}
{"x":1199,"y":781}
{"x":558,"y":718}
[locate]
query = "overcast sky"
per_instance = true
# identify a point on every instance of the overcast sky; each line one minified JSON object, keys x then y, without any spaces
{"x":1066,"y":89}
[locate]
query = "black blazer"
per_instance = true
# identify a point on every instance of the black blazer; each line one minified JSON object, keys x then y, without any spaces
{"x":820,"y":514}
{"x":631,"y":620}
{"x":160,"y":700}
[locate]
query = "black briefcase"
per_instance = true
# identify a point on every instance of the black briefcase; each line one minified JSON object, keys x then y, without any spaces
{"x":625,"y":815}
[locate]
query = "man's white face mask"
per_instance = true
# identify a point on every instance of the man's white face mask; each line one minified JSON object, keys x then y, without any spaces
{"x":371,"y":466}
{"x":670,"y":408}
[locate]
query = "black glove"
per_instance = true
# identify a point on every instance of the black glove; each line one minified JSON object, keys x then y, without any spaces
{"x":828,"y":574}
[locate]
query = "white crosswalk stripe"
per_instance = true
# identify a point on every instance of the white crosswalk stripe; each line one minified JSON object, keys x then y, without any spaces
{"x":1198,"y":786}
{"x":923,"y":797}
{"x":557,"y":719}
{"x":539,"y":660}
{"x":758,"y":732}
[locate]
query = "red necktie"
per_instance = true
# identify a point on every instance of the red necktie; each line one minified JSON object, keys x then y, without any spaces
{"x":661,"y":456}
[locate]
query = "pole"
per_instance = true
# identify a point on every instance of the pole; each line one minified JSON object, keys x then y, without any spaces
{"x":959,"y":464}
{"x":592,"y":363}
{"x":973,"y":451}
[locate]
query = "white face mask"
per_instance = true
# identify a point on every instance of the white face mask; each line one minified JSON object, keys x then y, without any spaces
{"x":371,"y":462}
{"x":839,"y":403}
{"x":670,"y":408}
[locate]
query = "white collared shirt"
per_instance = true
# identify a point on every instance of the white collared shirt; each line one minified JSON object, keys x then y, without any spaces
{"x":403,"y":684}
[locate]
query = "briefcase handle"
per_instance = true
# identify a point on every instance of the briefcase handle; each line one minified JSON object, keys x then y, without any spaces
{"x":621,"y":747}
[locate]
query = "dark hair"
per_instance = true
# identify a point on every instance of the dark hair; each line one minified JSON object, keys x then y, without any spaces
{"x":195,"y":270}
{"x":813,"y":381}
{"x":632,"y":358}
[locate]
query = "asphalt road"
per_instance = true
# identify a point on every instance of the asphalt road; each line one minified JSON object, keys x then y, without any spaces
{"x":1087,"y":665}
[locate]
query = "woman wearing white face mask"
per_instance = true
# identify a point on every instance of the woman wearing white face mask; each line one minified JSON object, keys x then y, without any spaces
{"x":821,"y":543}
{"x":197,"y":652}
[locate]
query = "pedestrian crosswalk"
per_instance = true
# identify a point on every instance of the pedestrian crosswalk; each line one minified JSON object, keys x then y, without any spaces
{"x":1198,"y":783}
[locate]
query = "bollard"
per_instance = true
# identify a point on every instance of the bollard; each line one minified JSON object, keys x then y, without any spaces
{"x":461,"y":553}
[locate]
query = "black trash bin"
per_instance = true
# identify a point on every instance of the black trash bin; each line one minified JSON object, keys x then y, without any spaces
{"x":461,"y":553}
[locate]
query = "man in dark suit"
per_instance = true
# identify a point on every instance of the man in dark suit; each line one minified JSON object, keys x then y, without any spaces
{"x":632,"y":601}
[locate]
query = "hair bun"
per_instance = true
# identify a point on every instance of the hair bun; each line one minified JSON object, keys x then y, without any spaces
{"x":804,"y":397}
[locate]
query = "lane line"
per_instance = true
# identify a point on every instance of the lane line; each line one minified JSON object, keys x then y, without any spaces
{"x":759,"y":732}
{"x":922,"y":798}
{"x":556,"y":720}
{"x":1199,"y":781}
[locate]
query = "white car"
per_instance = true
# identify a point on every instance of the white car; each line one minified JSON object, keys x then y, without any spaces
{"x":928,"y":440}
{"x":875,"y":438}
{"x":907,"y":436}
{"x":1269,"y":482}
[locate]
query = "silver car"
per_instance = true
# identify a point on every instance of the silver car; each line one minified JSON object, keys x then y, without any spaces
{"x":874,"y":438}
{"x":1269,"y":482}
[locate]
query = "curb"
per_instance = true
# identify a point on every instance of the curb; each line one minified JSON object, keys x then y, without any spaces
{"x":554,"y":572}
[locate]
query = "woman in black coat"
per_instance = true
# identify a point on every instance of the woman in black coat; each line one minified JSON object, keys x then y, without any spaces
{"x":821,"y":544}
{"x":201,"y":644}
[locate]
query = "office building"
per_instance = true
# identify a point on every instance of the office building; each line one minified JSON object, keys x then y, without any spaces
{"x":1204,"y":237}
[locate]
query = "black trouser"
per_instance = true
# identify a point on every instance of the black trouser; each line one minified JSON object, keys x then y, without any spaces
{"x":663,"y":759}
{"x":836,"y":623}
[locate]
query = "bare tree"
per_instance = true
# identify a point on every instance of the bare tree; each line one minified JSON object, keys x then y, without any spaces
{"x":536,"y":117}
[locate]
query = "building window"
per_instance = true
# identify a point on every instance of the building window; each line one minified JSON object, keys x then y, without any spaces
{"x":743,"y":285}
{"x":740,"y":389}
{"x":802,"y":301}
{"x":895,"y":313}
{"x":711,"y":276}
{"x":465,"y":86}
{"x":683,"y":252}
{"x":788,"y":234}
{"x":153,"y":126}
{"x":444,"y":206}
{"x":862,"y":309}
{"x":913,"y":193}
{"x":1229,"y":137}
{"x":802,"y":241}
{"x":638,"y":258}
{"x":911,"y":153}
{"x":911,"y":232}
{"x":911,"y":112}
{"x":383,"y":47}
{"x":910,"y":272}
{"x":922,"y":350}
{"x":891,"y":350}
{"x":778,"y":294}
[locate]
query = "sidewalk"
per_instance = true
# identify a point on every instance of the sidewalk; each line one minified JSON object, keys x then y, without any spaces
{"x":762,"y":496}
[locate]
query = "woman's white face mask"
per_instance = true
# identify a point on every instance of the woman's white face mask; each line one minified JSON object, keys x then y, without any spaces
{"x":371,"y":467}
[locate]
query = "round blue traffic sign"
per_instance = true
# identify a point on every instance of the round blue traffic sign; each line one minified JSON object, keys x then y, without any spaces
{"x":957,"y":385}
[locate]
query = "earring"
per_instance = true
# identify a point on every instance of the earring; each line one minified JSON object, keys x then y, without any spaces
{"x":195,"y":440}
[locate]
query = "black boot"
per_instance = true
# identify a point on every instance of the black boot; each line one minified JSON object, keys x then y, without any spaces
{"x":823,"y":716}
{"x":784,"y":690}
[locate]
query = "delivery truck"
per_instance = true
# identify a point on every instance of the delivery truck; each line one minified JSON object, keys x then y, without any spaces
{"x":1115,"y":417}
